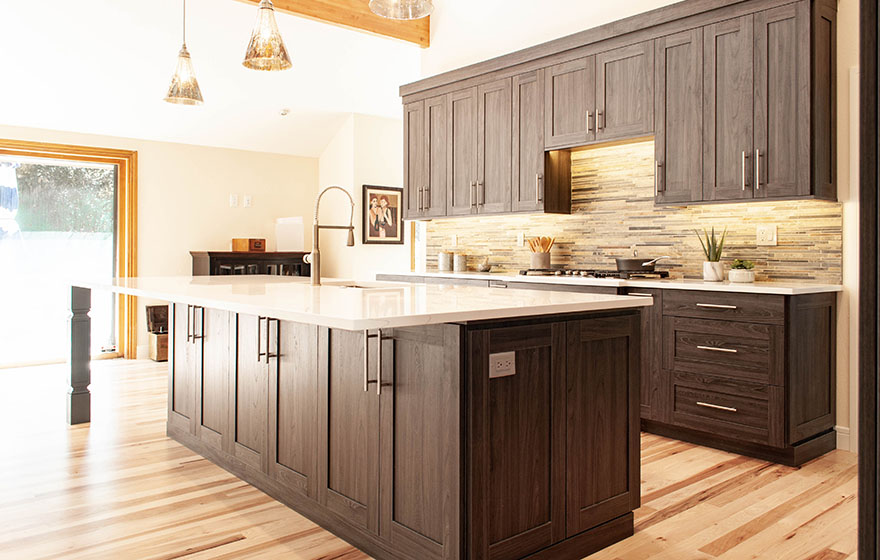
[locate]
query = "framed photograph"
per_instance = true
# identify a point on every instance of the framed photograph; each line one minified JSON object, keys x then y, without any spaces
{"x":383,"y":223}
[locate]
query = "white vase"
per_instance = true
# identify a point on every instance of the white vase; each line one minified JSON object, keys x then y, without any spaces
{"x":713,"y":271}
{"x":741,"y":275}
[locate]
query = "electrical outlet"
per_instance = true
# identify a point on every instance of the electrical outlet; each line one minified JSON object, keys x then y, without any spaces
{"x":246,"y":199}
{"x":233,"y":200}
{"x":766,"y":235}
{"x":521,"y":239}
{"x":502,"y":364}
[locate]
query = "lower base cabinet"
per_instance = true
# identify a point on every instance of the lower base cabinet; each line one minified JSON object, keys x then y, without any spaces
{"x":403,"y":441}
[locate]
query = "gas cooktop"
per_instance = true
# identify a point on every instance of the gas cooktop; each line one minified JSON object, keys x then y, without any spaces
{"x":592,"y":273}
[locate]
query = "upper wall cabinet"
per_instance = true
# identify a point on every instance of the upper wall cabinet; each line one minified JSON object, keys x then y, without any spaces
{"x":599,"y":98}
{"x":739,"y":96}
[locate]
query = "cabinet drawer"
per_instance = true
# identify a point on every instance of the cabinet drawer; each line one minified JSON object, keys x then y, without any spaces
{"x":728,"y":415}
{"x":758,"y":308}
{"x":748,"y":351}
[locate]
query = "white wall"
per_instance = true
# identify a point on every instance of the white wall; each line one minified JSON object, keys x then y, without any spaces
{"x":365,"y":151}
{"x":467,"y":32}
{"x":183,"y":197}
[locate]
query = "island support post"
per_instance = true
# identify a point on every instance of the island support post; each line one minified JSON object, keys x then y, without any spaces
{"x":79,"y":397}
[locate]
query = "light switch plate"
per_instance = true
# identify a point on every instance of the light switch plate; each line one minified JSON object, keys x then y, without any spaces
{"x":233,"y":200}
{"x":766,"y":235}
{"x":246,"y":201}
{"x":521,"y":239}
{"x":502,"y":364}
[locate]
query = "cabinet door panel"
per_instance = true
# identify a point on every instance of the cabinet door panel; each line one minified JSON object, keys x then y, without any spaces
{"x":518,"y":470}
{"x":185,"y":365}
{"x":678,"y":138}
{"x":419,"y":411}
{"x":436,"y":153}
{"x":654,"y":381}
{"x":293,"y":407}
{"x":625,"y":91}
{"x":781,"y":105}
{"x":603,"y":420}
{"x":414,"y":142}
{"x":462,"y":161}
{"x":528,"y":141}
{"x":214,"y":379}
{"x":250,"y":393}
{"x":569,"y":95}
{"x":494,"y":146}
{"x":349,"y":431}
{"x":728,"y":87}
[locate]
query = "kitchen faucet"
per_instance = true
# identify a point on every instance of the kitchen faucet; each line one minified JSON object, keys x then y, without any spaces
{"x":314,"y":258}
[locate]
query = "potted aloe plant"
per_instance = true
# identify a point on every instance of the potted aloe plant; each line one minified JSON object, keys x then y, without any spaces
{"x":713,"y":271}
{"x":742,"y":271}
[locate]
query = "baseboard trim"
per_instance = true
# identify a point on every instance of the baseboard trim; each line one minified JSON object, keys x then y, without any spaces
{"x":143,"y":352}
{"x":843,"y":438}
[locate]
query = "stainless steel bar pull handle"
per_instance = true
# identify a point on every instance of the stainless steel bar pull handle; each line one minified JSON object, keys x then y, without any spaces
{"x":716,"y":306}
{"x":716,"y":406}
{"x":260,"y":354}
{"x":589,"y":120}
{"x":473,"y":194}
{"x":640,"y":294}
{"x":421,"y":206}
{"x":539,"y":188}
{"x":717,"y":349}
{"x":379,"y":363}
{"x":367,"y":380}
{"x":188,"y":322}
{"x":744,"y":156}
{"x":758,"y":169}
{"x":482,"y":190}
{"x":658,"y":179}
{"x":600,"y":120}
{"x":427,"y":198}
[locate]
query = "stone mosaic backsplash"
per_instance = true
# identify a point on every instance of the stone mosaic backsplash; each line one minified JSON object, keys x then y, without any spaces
{"x":613,"y":212}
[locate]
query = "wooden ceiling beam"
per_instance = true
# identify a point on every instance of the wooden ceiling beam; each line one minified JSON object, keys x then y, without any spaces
{"x":356,"y":14}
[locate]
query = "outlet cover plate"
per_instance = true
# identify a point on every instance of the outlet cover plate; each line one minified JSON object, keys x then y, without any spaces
{"x":502,"y":364}
{"x":765,"y":235}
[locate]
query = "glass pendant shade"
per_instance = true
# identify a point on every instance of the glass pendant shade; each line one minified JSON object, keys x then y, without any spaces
{"x":266,"y":51}
{"x":402,"y":9}
{"x":184,"y":88}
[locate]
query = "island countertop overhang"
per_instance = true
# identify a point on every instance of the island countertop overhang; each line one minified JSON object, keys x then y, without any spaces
{"x":371,"y":305}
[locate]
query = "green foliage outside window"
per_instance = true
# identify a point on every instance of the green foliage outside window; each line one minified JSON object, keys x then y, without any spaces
{"x":66,"y":198}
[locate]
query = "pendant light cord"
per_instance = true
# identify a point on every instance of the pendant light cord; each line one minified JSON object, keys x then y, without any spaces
{"x":184,"y":23}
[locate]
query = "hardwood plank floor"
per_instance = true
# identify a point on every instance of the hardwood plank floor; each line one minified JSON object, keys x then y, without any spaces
{"x":118,"y":489}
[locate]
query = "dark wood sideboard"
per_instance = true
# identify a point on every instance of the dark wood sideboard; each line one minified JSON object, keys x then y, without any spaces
{"x":219,"y":263}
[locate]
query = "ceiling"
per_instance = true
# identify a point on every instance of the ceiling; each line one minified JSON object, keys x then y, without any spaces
{"x":103,"y":66}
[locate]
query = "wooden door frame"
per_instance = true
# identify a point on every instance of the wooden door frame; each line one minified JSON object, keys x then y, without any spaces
{"x":869,"y":302}
{"x":126,"y":223}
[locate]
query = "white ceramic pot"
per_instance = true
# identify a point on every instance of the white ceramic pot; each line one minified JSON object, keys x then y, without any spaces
{"x":741,"y":275}
{"x":713,"y":271}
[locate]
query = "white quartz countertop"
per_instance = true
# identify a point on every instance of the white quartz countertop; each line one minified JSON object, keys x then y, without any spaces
{"x":371,"y":306}
{"x":778,"y":288}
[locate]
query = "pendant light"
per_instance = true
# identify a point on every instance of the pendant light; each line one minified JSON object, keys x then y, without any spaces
{"x":402,"y":9}
{"x":184,"y":89}
{"x":266,"y":51}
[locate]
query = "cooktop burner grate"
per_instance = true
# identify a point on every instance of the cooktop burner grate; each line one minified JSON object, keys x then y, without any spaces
{"x":593,"y":273}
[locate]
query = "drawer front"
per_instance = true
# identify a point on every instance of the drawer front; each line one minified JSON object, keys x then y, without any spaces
{"x":733,"y":416}
{"x":736,"y":350}
{"x":756,"y":308}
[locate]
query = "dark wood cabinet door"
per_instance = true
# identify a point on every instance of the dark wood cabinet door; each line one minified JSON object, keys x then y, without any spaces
{"x":462,"y":158}
{"x":782,"y":107}
{"x":727,"y":109}
{"x":213,"y":393}
{"x":625,"y":91}
{"x":184,"y":363}
{"x":348,"y":429}
{"x":249,"y":392}
{"x":517,"y":430}
{"x":569,"y":103}
{"x":528,"y":142}
{"x":436,"y":157}
{"x":414,"y":145}
{"x":420,"y":445}
{"x":494,"y":146}
{"x":602,"y":428}
{"x":293,"y":409}
{"x":654,"y":382}
{"x":678,"y":102}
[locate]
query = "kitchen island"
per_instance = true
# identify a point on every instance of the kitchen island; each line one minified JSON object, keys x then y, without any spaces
{"x":414,"y":421}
